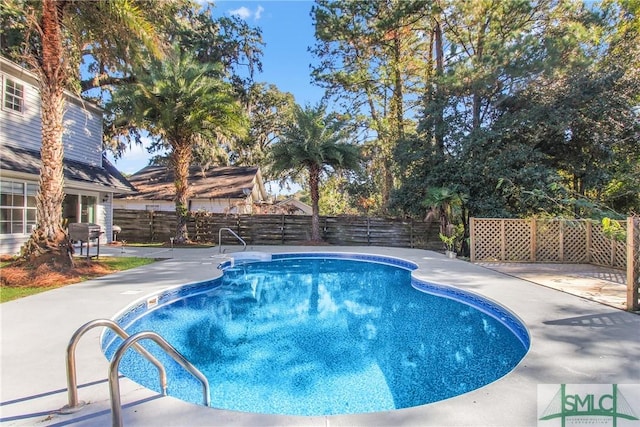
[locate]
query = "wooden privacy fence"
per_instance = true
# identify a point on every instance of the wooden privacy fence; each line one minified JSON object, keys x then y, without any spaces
{"x":159,"y":226}
{"x":565,"y":241}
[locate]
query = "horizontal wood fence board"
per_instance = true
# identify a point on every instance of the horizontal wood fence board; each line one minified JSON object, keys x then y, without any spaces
{"x":147,"y":226}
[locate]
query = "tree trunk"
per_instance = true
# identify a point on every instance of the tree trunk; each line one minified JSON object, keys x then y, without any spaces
{"x":314,"y":188}
{"x":398,"y":85}
{"x":50,"y":239}
{"x":181,"y":159}
{"x":439,"y":128}
{"x":477,"y":96}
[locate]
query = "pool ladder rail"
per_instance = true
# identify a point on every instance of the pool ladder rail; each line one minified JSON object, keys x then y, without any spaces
{"x":75,"y":405}
{"x":240,"y":239}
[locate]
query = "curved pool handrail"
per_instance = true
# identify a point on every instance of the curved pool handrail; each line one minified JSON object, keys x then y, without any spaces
{"x":244,"y":244}
{"x":72,"y":379}
{"x":114,"y":384}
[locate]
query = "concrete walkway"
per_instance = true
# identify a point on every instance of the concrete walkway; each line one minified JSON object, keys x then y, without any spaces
{"x":602,"y":284}
{"x":573,"y":341}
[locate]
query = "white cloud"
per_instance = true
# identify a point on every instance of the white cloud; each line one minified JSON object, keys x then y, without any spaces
{"x":246,"y":13}
{"x":242,"y":12}
{"x":258,"y":13}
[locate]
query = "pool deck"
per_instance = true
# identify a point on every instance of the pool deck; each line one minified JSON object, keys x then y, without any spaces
{"x":573,"y":341}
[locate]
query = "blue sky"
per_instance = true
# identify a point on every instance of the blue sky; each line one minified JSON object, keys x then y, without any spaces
{"x":287,"y":30}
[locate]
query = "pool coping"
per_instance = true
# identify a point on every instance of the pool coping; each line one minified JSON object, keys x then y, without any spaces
{"x":572,"y":341}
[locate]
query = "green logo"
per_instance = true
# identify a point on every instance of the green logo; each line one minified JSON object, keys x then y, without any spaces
{"x":589,"y":404}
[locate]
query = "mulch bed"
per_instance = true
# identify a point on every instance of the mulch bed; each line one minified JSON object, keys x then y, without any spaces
{"x":20,"y":274}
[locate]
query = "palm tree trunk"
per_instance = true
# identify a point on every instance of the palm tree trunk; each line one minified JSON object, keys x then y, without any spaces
{"x":314,"y":189}
{"x":49,"y":237}
{"x":181,"y":159}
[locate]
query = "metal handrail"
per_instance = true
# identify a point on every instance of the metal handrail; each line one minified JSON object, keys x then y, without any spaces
{"x":72,"y":380}
{"x":114,"y":384}
{"x":234,"y":234}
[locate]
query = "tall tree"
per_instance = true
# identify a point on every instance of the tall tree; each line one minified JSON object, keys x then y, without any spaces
{"x":313,"y":145}
{"x":583,"y":116}
{"x":483,"y":53}
{"x":181,"y":103}
{"x":56,"y":34}
{"x":236,"y":50}
{"x":370,"y":57}
{"x":269,"y":110}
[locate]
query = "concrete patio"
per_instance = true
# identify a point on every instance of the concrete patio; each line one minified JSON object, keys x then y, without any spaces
{"x":602,"y":284}
{"x":573,"y":341}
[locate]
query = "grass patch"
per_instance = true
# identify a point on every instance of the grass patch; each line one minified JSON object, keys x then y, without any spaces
{"x":20,"y":280}
{"x":125,"y":263}
{"x":8,"y":293}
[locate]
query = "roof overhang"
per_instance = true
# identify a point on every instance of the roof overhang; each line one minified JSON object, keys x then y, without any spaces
{"x":21,"y":163}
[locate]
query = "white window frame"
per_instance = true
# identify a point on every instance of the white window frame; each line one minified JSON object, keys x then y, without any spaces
{"x":25,"y":208}
{"x":79,"y":207}
{"x":17,"y":85}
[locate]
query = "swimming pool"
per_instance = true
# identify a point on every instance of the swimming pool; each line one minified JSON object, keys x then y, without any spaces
{"x":323,"y":334}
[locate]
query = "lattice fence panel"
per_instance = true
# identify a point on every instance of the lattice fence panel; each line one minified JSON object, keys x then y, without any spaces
{"x":517,"y":240}
{"x":602,"y":247}
{"x":548,"y":241}
{"x":574,"y":241}
{"x":620,"y":250}
{"x":487,"y":241}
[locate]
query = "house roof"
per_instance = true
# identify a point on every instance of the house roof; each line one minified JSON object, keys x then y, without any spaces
{"x":291,"y":204}
{"x":22,"y":160}
{"x":157,"y":182}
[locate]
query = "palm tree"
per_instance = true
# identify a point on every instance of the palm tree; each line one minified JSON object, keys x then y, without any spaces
{"x":443,"y":204}
{"x":58,"y":32}
{"x":311,"y":144}
{"x":446,"y":206}
{"x":182,"y":103}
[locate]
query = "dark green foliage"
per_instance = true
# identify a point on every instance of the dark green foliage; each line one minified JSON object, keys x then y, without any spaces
{"x":313,"y":144}
{"x":528,"y":128}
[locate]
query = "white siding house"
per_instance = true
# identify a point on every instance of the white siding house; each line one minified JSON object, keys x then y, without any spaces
{"x":90,"y":181}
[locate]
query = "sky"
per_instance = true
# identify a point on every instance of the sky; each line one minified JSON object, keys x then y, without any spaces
{"x":287,"y":30}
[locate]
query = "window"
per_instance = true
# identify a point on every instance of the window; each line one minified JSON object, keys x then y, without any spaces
{"x":13,"y":96}
{"x":79,"y":208}
{"x":17,"y":207}
{"x":88,"y":208}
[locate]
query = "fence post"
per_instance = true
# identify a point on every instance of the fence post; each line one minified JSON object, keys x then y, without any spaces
{"x":151,"y":227}
{"x":282,"y":228}
{"x":472,"y":239}
{"x":533,"y":239}
{"x":632,"y":265}
{"x":503,"y":240}
{"x":325,"y":228}
{"x":561,"y":240}
{"x":612,"y":254}
{"x":411,"y":245}
{"x":588,"y":238}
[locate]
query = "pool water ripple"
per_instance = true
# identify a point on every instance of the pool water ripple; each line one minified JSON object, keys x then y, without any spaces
{"x":310,"y":336}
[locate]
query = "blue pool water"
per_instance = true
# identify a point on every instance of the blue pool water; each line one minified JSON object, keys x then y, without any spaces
{"x":309,"y":336}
